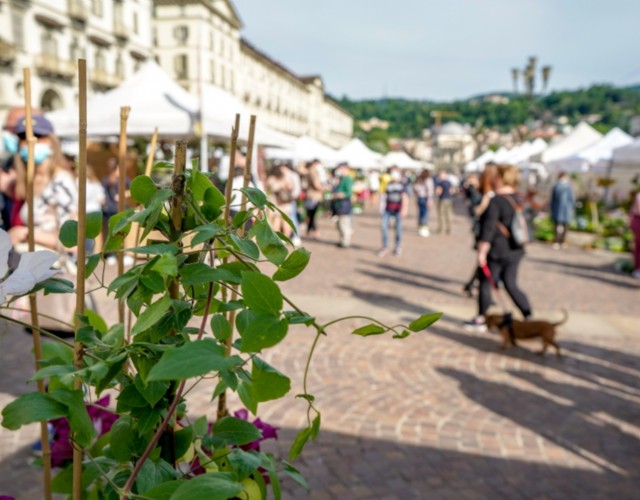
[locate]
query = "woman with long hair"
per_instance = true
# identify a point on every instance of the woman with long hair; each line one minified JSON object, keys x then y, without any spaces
{"x":476,"y":209}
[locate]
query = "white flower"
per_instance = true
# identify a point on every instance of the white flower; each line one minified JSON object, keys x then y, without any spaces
{"x":33,"y":268}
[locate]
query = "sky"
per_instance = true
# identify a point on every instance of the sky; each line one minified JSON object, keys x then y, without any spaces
{"x":446,"y":49}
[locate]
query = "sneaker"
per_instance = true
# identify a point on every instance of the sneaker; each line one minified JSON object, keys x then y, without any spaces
{"x":423,"y":232}
{"x":128,"y":260}
{"x":477,"y":324}
{"x":112,"y":260}
{"x":636,"y":274}
{"x":296,"y":241}
{"x":397,"y":251}
{"x":382,"y":252}
{"x":556,"y":246}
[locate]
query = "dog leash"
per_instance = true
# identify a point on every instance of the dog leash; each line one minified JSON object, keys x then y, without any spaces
{"x":507,"y":318}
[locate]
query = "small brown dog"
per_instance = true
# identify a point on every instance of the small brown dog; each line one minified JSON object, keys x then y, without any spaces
{"x":512,"y":329}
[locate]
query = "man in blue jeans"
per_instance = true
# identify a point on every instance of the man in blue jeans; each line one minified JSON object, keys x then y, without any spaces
{"x":396,"y":207}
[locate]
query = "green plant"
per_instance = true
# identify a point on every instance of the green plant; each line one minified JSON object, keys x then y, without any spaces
{"x":202,"y":278}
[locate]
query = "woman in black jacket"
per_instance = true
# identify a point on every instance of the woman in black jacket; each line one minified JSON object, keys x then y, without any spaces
{"x":497,"y":249}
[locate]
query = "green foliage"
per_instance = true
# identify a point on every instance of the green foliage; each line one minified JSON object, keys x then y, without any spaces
{"x":613,"y":106}
{"x":202,"y":272}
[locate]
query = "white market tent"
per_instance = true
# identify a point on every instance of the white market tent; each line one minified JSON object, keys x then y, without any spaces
{"x":628,"y":155}
{"x":624,"y":167}
{"x":220,"y":109}
{"x":402,"y":160}
{"x":582,"y":136}
{"x":596,"y":157}
{"x":478,"y":164}
{"x":155,"y":101}
{"x":304,"y":149}
{"x":358,"y":155}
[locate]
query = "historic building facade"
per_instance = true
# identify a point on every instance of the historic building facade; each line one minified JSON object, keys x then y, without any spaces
{"x":198,"y":42}
{"x":195,"y":41}
{"x":48,"y":36}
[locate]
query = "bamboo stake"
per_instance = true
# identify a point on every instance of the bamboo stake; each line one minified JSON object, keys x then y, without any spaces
{"x":33,"y":303}
{"x":247,"y":166}
{"x":180,"y":162}
{"x":222,"y":399}
{"x":122,"y":158}
{"x":147,"y":172}
{"x":81,"y":262}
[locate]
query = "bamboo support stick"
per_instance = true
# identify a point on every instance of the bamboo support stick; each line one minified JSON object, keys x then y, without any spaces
{"x":180,"y":162}
{"x":81,"y":262}
{"x":122,"y":176}
{"x":147,"y":172}
{"x":222,"y":399}
{"x":33,"y":303}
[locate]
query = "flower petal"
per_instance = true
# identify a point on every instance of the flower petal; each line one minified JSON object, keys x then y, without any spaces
{"x":19,"y":283}
{"x":38,"y":263}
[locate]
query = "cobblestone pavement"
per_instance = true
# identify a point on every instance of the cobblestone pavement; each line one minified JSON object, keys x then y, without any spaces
{"x":443,"y":413}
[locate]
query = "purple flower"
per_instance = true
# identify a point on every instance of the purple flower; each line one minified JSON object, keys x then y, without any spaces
{"x":268,"y":431}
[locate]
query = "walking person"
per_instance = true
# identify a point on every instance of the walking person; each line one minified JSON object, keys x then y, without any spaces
{"x":479,"y":195}
{"x":444,"y":195}
{"x":341,"y":203}
{"x":497,"y":251}
{"x":424,"y":190}
{"x":562,"y":208}
{"x":315,"y":179}
{"x":396,"y":207}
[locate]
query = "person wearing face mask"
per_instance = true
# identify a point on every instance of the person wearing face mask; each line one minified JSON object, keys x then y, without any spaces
{"x":55,"y":189}
{"x":396,"y":207}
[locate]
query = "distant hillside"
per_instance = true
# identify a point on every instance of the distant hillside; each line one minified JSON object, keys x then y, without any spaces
{"x":609,"y":106}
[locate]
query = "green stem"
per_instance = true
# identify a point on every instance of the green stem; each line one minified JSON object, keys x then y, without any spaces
{"x":356,"y":317}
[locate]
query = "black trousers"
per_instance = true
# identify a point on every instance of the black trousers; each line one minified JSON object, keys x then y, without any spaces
{"x":505,"y":271}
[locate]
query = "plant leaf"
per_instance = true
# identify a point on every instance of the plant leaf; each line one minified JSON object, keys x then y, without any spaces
{"x":255,"y":196}
{"x":371,"y":329}
{"x":269,"y":243}
{"x":164,"y":491}
{"x":294,"y":474}
{"x":298,"y":444}
{"x":79,"y":419}
{"x":31,"y":407}
{"x":236,"y":431}
{"x":192,"y":360}
{"x":221,"y":327}
{"x":151,"y":315}
{"x":69,"y":233}
{"x":293,"y":266}
{"x":424,"y":321}
{"x":212,"y":486}
{"x":263,"y":331}
{"x":260,"y":293}
{"x":93,"y":224}
{"x":142,"y":189}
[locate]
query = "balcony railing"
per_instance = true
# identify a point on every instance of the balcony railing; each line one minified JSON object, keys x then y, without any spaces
{"x":77,"y":10}
{"x":102,"y":78}
{"x":120,"y":29}
{"x":7,"y":52}
{"x":48,"y":64}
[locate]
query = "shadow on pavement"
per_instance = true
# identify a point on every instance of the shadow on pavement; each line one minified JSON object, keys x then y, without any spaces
{"x":605,"y":273}
{"x":343,"y":466}
{"x":605,"y":445}
{"x":608,"y":373}
{"x":401,"y":279}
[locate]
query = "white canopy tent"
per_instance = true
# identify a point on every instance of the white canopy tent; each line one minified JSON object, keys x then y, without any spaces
{"x":628,"y":155}
{"x":155,"y":101}
{"x":582,"y":136}
{"x":304,"y":148}
{"x":478,"y":164}
{"x":358,"y":155}
{"x":402,"y":160}
{"x":596,"y":157}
